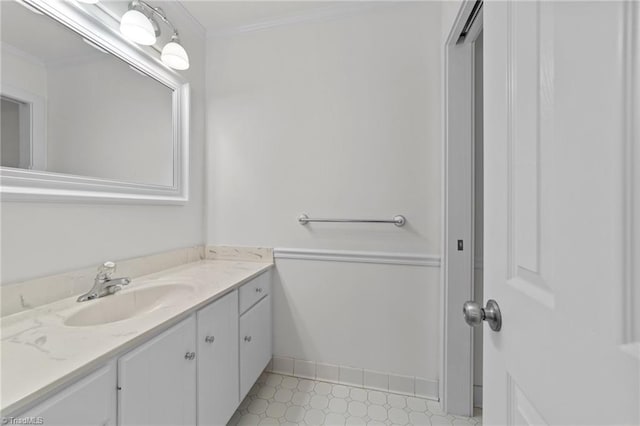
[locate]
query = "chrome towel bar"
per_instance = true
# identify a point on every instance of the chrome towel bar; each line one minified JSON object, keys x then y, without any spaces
{"x":398,"y":220}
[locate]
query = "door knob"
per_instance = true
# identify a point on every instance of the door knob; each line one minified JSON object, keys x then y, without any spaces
{"x":474,"y":314}
{"x":190,"y":356}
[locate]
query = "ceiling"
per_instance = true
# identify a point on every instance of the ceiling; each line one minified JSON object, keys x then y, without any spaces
{"x":223,"y":15}
{"x":50,"y":42}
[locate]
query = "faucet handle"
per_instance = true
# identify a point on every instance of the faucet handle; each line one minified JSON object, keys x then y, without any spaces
{"x":106,"y":270}
{"x":114,"y":289}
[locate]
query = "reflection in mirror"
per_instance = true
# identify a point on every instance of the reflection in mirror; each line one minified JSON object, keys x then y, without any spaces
{"x":13,"y":138}
{"x":69,"y":107}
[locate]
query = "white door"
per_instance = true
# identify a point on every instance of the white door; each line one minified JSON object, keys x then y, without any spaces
{"x":157,"y":380}
{"x":218,"y":367}
{"x":560,"y":158}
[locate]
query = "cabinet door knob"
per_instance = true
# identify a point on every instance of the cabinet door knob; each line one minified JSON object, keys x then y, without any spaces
{"x":258,"y":290}
{"x":247,"y":338}
{"x":190,"y":356}
{"x":209,"y":339}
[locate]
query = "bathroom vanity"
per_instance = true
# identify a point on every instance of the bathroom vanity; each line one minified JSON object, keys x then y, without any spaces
{"x":183,"y":346}
{"x":193,"y":341}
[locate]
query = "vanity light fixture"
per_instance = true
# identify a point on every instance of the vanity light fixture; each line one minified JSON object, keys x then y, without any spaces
{"x":89,"y":1}
{"x":174,"y":55}
{"x":139,"y":25}
{"x":136,"y":26}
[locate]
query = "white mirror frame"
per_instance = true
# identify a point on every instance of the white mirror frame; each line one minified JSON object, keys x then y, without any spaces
{"x":39,"y":186}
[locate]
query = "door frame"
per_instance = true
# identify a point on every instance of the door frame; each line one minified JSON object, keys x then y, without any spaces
{"x":456,"y":370}
{"x":33,"y":126}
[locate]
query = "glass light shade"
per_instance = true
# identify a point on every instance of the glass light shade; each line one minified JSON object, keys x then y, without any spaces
{"x":89,"y":1}
{"x":137,"y":27}
{"x":175,"y":56}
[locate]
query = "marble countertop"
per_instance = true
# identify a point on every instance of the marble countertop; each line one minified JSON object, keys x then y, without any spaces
{"x":40,"y":354}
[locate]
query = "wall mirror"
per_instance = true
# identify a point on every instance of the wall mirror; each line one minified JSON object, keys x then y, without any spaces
{"x":86,"y":114}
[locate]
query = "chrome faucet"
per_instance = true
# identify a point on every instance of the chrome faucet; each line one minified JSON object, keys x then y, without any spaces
{"x":104,"y":284}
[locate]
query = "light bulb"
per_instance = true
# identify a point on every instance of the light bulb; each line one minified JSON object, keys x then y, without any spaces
{"x":174,"y":55}
{"x":137,"y":27}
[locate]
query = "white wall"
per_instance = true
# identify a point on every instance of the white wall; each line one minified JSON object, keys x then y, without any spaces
{"x":45,"y":238}
{"x":23,"y":72}
{"x":378,"y":317}
{"x":118,"y":129}
{"x":338,"y":117}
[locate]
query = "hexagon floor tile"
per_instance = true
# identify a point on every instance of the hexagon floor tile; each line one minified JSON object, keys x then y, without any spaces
{"x":283,"y":400}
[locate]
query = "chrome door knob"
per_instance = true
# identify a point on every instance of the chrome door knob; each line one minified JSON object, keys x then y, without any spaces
{"x":190,"y":356}
{"x":474,"y":314}
{"x":247,"y":338}
{"x":209,"y":339}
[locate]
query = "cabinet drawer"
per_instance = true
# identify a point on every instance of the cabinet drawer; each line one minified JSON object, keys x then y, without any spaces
{"x":255,"y":344}
{"x":254,"y":290}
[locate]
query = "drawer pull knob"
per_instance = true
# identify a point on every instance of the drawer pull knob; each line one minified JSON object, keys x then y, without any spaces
{"x":247,"y":338}
{"x":258,"y":290}
{"x":190,"y":356}
{"x":209,"y":339}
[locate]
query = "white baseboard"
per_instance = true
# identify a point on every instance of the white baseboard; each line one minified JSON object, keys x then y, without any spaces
{"x":358,"y":377}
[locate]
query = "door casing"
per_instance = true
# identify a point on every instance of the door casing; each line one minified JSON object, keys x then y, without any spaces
{"x":456,"y":378}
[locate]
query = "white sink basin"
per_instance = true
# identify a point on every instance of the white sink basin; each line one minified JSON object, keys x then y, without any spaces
{"x":127,"y":304}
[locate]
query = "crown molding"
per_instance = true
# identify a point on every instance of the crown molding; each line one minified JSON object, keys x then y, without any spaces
{"x":181,"y":8}
{"x":319,"y":14}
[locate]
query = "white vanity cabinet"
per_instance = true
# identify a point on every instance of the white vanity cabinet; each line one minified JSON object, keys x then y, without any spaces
{"x":195,"y":372}
{"x":255,"y":331}
{"x":88,"y":402}
{"x":157,"y":380}
{"x":214,"y":357}
{"x":217,"y":356}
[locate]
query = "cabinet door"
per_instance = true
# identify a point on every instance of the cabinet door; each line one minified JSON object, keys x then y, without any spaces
{"x":255,"y":343}
{"x":90,"y":401}
{"x":218,"y":379}
{"x":157,"y":381}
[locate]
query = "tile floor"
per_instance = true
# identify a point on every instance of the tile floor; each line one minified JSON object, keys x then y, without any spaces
{"x":284,"y":400}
